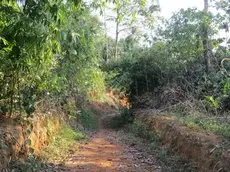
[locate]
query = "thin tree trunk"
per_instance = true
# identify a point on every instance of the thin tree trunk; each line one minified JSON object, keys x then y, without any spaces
{"x":12,"y":92}
{"x":106,"y":38}
{"x":117,"y":35}
{"x":19,"y":95}
{"x":146,"y":79}
{"x":136,"y":87}
{"x":206,"y":43}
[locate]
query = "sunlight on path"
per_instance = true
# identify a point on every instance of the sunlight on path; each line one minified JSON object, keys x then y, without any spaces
{"x":98,"y":155}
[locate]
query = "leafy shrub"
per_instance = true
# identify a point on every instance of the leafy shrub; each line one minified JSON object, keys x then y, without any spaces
{"x":226,"y":89}
{"x":140,"y":129}
{"x":225,"y":98}
{"x":221,"y":95}
{"x":28,"y":165}
{"x":47,"y":56}
{"x":125,"y":117}
{"x":88,"y":120}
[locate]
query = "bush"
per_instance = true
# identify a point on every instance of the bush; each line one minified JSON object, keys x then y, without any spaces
{"x":28,"y":165}
{"x":88,"y":120}
{"x":140,"y":129}
{"x":125,"y":117}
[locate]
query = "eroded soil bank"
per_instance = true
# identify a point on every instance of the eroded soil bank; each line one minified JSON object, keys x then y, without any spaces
{"x":202,"y":147}
{"x":19,"y":138}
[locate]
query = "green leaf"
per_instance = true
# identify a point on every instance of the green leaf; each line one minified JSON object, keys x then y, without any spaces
{"x":5,"y":42}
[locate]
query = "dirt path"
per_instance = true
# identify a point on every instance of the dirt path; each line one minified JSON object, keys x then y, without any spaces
{"x":104,"y":152}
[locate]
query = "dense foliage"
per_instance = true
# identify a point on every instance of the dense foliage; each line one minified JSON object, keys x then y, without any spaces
{"x":174,"y":62}
{"x":47,"y":52}
{"x":52,"y":53}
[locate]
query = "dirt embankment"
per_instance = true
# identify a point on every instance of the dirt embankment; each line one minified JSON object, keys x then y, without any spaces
{"x":200,"y":147}
{"x":18,"y":138}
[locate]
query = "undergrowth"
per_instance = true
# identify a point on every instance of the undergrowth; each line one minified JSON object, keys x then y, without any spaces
{"x":60,"y":143}
{"x":88,"y":120}
{"x":169,"y":161}
{"x":125,"y":117}
{"x":31,"y":164}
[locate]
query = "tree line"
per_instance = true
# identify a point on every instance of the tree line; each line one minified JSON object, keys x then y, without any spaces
{"x":56,"y":53}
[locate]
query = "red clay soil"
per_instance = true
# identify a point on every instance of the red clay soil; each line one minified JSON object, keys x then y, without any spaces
{"x":105,"y":153}
{"x":13,"y":136}
{"x":192,"y":145}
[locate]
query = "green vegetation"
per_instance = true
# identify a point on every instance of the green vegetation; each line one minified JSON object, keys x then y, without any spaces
{"x":173,"y":68}
{"x":30,"y":164}
{"x":60,"y":144}
{"x":46,"y":59}
{"x":141,"y":130}
{"x":88,"y":120}
{"x":218,"y":126}
{"x":125,"y":117}
{"x":59,"y":55}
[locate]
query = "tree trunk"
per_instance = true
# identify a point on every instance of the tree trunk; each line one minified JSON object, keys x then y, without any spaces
{"x":136,"y":87}
{"x":117,"y":35}
{"x":206,"y":42}
{"x":106,"y":39}
{"x":146,"y":79}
